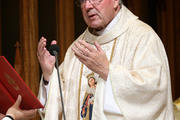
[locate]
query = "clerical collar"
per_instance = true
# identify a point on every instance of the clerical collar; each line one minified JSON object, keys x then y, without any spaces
{"x":109,"y":26}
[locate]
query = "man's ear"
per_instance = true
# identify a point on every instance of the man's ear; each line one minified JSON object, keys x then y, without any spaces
{"x":116,"y":4}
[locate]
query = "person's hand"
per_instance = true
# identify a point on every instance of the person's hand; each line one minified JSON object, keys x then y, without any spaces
{"x":18,"y":114}
{"x":46,"y":60}
{"x":1,"y":116}
{"x":94,"y":59}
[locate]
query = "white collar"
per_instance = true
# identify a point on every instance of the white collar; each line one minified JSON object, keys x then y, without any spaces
{"x":110,"y":25}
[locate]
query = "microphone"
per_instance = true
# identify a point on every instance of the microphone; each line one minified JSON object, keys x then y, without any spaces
{"x":54,"y":51}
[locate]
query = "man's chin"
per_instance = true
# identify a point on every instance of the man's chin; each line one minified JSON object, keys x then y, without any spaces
{"x":95,"y":26}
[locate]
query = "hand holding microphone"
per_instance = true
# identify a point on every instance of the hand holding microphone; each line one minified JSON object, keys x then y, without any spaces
{"x":46,"y":60}
{"x":49,"y":58}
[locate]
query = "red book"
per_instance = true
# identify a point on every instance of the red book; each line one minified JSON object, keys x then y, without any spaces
{"x":12,"y":85}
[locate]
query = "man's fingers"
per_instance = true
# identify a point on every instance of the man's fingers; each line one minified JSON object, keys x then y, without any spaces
{"x":41,"y":46}
{"x":79,"y":54}
{"x":53,"y":42}
{"x":42,"y":51}
{"x":86,"y":50}
{"x":42,"y":43}
{"x":98,"y":46}
{"x":76,"y":51}
{"x":86,"y":45}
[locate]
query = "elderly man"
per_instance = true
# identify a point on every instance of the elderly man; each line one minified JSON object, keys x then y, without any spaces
{"x":127,"y":60}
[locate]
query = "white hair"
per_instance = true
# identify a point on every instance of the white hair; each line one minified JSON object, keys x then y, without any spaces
{"x":120,"y":2}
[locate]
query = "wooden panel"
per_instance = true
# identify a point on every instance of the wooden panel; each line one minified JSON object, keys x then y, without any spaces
{"x":29,"y":41}
{"x":165,"y":22}
{"x":79,"y":22}
{"x":10,"y":28}
{"x":65,"y":25}
{"x":47,"y":19}
{"x":138,"y":7}
{"x":177,"y":48}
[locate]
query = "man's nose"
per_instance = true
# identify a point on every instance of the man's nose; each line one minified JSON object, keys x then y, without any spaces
{"x":88,"y":4}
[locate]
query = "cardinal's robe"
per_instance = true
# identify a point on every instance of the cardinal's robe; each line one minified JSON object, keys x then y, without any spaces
{"x":138,"y":78}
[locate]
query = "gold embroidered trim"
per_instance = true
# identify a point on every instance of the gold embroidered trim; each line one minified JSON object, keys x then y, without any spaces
{"x":79,"y":92}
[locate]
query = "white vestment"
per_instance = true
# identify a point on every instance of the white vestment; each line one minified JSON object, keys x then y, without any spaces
{"x":138,"y":76}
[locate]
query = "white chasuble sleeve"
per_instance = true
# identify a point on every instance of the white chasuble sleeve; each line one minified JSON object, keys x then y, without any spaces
{"x":44,"y":92}
{"x":141,"y":88}
{"x":110,"y":105}
{"x":51,"y":97}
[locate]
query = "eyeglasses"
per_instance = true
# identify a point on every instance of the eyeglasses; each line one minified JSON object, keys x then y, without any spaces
{"x":94,"y":2}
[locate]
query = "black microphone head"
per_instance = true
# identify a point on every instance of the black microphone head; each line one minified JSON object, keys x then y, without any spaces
{"x":53,"y":48}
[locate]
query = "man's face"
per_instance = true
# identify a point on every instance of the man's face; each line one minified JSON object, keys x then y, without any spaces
{"x":99,"y":15}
